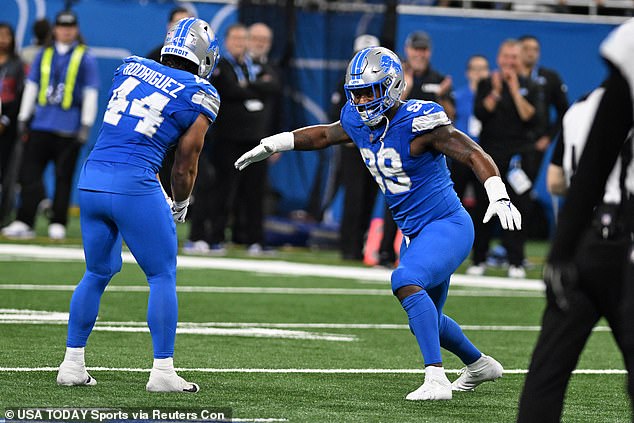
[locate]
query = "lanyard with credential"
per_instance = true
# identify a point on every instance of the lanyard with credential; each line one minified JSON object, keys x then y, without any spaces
{"x":239,"y":71}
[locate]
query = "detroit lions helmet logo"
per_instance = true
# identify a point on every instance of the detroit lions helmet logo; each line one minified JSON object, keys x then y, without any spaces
{"x":389,"y":65}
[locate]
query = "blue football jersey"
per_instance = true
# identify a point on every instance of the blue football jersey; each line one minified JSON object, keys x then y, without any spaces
{"x":418,"y":189}
{"x":151,"y":106}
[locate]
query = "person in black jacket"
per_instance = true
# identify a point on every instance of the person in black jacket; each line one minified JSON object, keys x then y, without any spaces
{"x":359,"y":186}
{"x":423,"y":81}
{"x":505,"y":104}
{"x":244,"y":88}
{"x":259,"y":43}
{"x":552,"y":94}
{"x":552,"y":104}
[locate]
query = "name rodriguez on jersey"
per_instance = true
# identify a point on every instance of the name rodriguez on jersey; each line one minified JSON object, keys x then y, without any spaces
{"x":162,"y":82}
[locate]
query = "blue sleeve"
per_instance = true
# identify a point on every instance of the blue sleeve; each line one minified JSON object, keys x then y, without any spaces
{"x":426,"y":116}
{"x":90,"y":71}
{"x":34,"y":72}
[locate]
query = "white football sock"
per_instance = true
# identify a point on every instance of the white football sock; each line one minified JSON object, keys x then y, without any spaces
{"x":434,"y":372}
{"x":75,"y":355}
{"x":164,"y":364}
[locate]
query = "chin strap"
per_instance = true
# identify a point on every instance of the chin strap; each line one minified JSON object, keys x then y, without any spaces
{"x":387,"y":126}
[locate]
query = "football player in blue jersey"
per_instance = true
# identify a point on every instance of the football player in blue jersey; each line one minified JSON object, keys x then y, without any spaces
{"x":153,"y":107}
{"x":404,"y":145}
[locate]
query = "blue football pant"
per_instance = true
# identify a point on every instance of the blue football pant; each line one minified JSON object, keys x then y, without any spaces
{"x":428,"y":261}
{"x":145,"y":223}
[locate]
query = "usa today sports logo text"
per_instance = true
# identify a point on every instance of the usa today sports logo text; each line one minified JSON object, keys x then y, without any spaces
{"x":103,"y":415}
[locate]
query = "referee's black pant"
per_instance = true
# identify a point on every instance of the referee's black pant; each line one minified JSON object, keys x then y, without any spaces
{"x":602,"y":266}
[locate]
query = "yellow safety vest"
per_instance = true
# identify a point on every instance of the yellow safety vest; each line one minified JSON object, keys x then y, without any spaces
{"x":71,"y":75}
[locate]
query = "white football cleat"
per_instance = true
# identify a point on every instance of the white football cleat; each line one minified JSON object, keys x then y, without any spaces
{"x":56,"y":231}
{"x":169,"y":381}
{"x":476,"y":269}
{"x":18,"y":230}
{"x":516,"y":272}
{"x":436,"y":386}
{"x":482,"y":370}
{"x":71,"y":373}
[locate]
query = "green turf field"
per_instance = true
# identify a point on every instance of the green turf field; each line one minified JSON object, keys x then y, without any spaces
{"x":269,"y":353}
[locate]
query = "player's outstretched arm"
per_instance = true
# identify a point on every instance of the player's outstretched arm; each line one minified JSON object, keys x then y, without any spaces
{"x":185,"y":166}
{"x":458,"y":146}
{"x":308,"y":138}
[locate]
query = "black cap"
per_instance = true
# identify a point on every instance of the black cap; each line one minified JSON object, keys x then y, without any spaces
{"x":418,"y":39}
{"x":66,"y":18}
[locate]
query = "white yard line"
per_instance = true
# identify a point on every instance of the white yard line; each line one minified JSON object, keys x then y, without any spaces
{"x":299,"y":371}
{"x":34,"y":317}
{"x":278,"y":267}
{"x":210,"y":289}
{"x":267,"y":290}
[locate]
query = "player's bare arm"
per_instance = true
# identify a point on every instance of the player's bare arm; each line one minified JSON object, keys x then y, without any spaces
{"x":320,"y":136}
{"x":186,"y":159}
{"x":308,"y":138}
{"x":458,"y":146}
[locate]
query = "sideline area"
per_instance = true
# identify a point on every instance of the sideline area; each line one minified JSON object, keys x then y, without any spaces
{"x":36,"y":252}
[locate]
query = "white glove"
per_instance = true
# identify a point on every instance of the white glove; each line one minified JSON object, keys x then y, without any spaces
{"x":500,"y":205}
{"x":179,"y":210}
{"x":270,"y":145}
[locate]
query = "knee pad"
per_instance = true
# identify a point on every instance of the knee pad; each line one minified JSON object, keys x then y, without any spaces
{"x":402,"y":277}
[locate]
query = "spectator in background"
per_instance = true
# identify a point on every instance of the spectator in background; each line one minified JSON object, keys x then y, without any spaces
{"x":589,"y":272}
{"x":552,"y":101}
{"x":359,"y":186}
{"x":11,"y":85}
{"x":505,"y":104}
{"x":423,"y":81}
{"x":175,"y":15}
{"x":41,"y":36}
{"x":61,"y":97}
{"x":551,"y":96}
{"x":466,"y":121}
{"x":245,"y":89}
{"x":259,"y":43}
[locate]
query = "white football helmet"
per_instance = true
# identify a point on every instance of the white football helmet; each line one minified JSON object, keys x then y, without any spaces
{"x":193,"y":39}
{"x":378,"y":69}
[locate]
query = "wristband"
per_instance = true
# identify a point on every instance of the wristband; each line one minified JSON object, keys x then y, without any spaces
{"x":496,"y":190}
{"x":280,"y":142}
{"x":178,"y":205}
